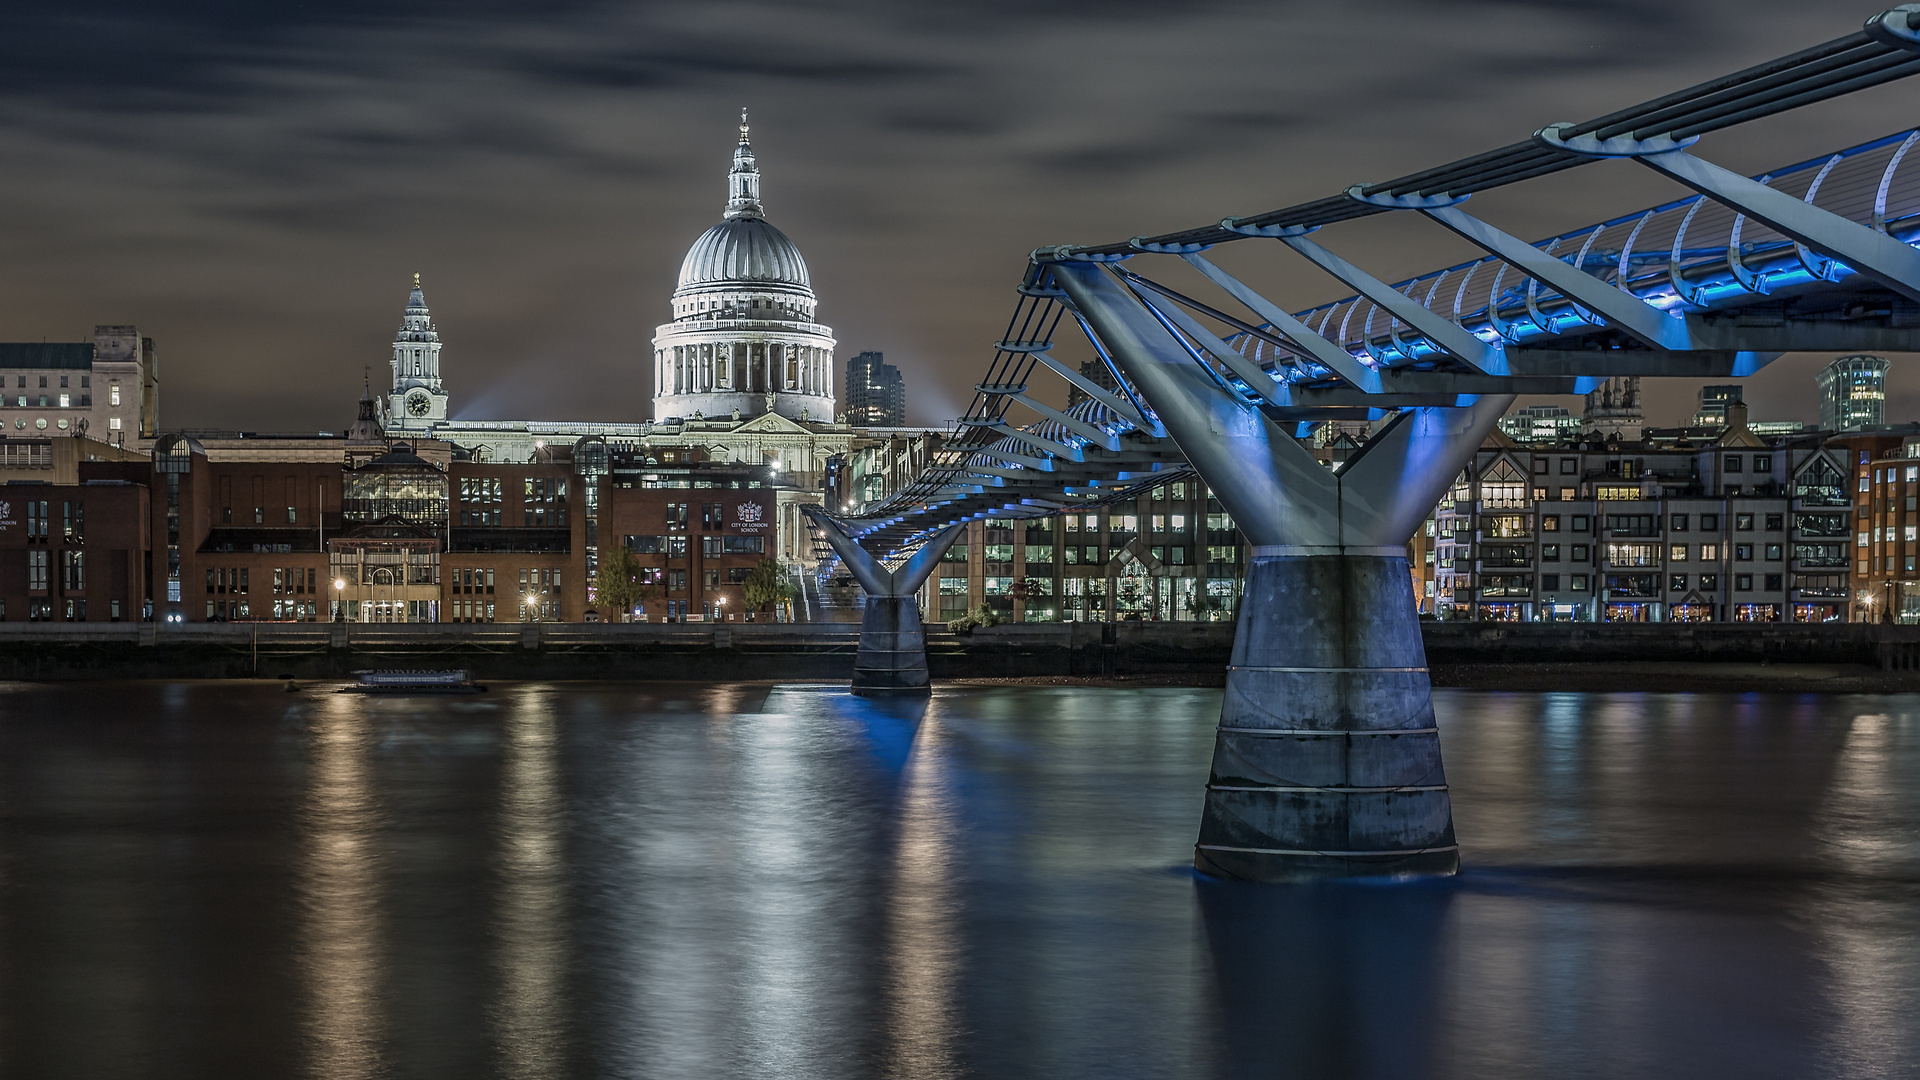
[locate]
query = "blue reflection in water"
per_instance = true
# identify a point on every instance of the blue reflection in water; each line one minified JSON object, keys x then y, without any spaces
{"x":687,"y":881}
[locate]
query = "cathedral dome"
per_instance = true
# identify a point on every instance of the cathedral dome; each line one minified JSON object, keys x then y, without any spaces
{"x":746,"y":250}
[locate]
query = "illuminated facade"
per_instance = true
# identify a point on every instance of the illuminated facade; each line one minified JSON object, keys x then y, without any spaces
{"x":743,"y":341}
{"x":1853,"y":393}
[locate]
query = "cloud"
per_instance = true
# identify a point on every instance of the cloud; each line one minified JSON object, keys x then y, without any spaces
{"x":255,"y":185}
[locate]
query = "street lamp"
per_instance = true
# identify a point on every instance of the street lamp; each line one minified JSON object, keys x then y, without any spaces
{"x":339,"y":599}
{"x":721,"y":603}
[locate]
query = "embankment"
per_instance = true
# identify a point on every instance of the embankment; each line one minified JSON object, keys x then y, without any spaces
{"x":1832,"y":656}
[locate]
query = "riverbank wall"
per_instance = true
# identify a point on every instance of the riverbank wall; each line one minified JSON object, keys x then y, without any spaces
{"x":735,"y":651}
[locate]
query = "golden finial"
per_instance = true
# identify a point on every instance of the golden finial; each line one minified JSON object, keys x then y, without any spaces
{"x":416,"y":279}
{"x":743,"y":125}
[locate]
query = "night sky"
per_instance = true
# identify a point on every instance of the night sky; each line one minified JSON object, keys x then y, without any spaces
{"x":253,"y":185}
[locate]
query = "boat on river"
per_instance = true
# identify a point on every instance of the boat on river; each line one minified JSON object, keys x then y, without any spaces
{"x":413,"y":682}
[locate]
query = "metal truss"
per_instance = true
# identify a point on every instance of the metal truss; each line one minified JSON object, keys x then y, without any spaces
{"x":1815,"y":256}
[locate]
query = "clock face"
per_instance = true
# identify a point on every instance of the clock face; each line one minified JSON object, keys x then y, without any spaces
{"x":419,"y":405}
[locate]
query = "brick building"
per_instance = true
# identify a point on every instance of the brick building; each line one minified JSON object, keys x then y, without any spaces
{"x":698,"y":528}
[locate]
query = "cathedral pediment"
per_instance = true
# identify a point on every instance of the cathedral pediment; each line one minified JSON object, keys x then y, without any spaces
{"x":772,"y":424}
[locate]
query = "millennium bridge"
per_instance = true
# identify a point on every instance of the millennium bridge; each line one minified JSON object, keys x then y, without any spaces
{"x":1327,"y":762}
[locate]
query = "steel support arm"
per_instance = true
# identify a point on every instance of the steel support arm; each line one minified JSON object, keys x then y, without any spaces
{"x":1318,"y":349}
{"x":1104,"y":439}
{"x":872,"y":574}
{"x":1390,"y":486}
{"x":912,"y":574}
{"x":1619,"y":308}
{"x":1057,"y":449}
{"x":1249,"y":372}
{"x":1114,"y":403}
{"x":1437,"y":328}
{"x":1864,"y":249}
{"x":865,"y":567}
{"x":1276,"y":491}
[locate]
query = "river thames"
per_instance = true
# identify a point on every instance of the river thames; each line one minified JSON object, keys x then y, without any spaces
{"x":634,"y":880}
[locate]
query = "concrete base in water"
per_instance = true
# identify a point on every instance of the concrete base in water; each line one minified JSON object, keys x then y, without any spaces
{"x":893,"y":649}
{"x":1327,"y":763}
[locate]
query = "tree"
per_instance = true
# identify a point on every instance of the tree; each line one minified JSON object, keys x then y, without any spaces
{"x":622,"y":584}
{"x":767,"y":584}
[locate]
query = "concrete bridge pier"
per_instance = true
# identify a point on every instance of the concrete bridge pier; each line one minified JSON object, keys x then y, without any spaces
{"x":1326,"y":762}
{"x":892,"y":660}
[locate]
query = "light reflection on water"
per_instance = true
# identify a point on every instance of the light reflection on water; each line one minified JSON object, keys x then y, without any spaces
{"x":680,"y":881}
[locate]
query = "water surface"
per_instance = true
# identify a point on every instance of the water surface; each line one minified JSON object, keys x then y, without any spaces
{"x":223,"y":879}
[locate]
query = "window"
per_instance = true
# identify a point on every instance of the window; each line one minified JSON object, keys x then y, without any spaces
{"x":1676,"y":553}
{"x":1579,"y":582}
{"x":1773,"y":582}
{"x":1568,"y":494}
{"x":1541,"y":466}
{"x":1615,"y":493}
{"x":1505,"y":525}
{"x":1039,"y":553}
{"x":37,"y":570}
{"x":676,"y":547}
{"x":1569,"y":466}
{"x":1773,"y":551}
{"x":1820,"y":554}
{"x":1743,"y":553}
{"x":1743,"y":583}
{"x":1762,"y":463}
{"x":997,"y":552}
{"x":73,"y":571}
{"x":1633,"y":555}
{"x":1822,"y":524}
{"x":1733,"y":463}
{"x":1505,"y":555}
{"x":1679,"y":523}
{"x":1776,"y":522}
{"x":1709,"y":522}
{"x":1549,"y":552}
{"x":1548,"y":523}
{"x":1506,"y":585}
{"x":73,"y":521}
{"x":1579,"y":553}
{"x":1634,"y":586}
{"x":1633,"y":524}
{"x":1743,"y":523}
{"x":953,"y":586}
{"x":1709,"y":552}
{"x":1709,"y":582}
{"x":1580,"y":523}
{"x":113,"y":395}
{"x":1676,"y":583}
{"x":1549,"y":582}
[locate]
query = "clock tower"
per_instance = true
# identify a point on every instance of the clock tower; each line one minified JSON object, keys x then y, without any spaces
{"x":417,"y":401}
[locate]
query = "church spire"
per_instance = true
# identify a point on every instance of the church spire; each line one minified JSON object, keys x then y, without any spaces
{"x":743,"y":181}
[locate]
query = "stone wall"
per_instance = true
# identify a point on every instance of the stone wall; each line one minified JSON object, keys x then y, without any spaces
{"x":826,"y":651}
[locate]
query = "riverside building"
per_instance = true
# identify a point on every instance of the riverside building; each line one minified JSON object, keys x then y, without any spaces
{"x":107,"y":388}
{"x":1739,"y":529}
